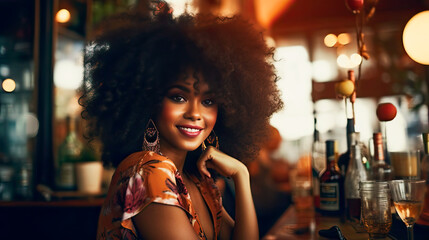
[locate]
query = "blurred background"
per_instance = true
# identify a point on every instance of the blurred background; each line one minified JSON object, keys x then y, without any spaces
{"x":316,"y":44}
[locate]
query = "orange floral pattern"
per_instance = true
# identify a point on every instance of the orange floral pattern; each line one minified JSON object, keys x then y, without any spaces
{"x":146,"y":177}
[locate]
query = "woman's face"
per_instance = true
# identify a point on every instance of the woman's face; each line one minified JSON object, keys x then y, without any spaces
{"x":187,"y":115}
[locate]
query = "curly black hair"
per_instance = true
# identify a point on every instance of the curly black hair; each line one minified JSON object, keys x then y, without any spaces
{"x":136,"y":56}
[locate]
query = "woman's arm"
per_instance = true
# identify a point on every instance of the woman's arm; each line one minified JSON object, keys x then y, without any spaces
{"x":160,"y":221}
{"x":246,"y":224}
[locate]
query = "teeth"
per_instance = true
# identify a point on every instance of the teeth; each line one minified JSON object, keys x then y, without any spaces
{"x":190,"y":129}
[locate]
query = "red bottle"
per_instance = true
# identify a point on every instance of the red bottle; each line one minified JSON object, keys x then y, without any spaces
{"x":332,"y":199}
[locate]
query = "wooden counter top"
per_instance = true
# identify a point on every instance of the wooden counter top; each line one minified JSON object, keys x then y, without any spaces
{"x":305,"y":224}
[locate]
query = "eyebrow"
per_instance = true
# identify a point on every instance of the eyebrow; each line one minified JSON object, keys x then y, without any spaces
{"x":181,"y":87}
{"x":186,"y":89}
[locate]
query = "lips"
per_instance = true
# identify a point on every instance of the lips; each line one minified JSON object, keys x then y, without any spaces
{"x":190,"y":131}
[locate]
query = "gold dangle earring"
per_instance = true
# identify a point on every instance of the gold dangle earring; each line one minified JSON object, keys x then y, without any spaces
{"x":151,"y":138}
{"x":212,"y":140}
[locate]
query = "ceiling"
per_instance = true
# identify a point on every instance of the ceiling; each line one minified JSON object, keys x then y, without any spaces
{"x":309,"y":15}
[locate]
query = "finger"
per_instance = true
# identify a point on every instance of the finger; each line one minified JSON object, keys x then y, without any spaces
{"x":202,"y":167}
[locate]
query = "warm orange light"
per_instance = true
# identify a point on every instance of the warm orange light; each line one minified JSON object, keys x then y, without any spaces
{"x":330,"y":40}
{"x":416,"y":38}
{"x":63,"y":16}
{"x":8,"y":85}
{"x":268,"y":11}
{"x":344,"y":38}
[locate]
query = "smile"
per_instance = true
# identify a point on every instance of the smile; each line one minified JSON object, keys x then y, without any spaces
{"x":189,"y":131}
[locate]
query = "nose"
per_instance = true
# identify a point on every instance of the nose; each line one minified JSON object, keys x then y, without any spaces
{"x":193,"y":111}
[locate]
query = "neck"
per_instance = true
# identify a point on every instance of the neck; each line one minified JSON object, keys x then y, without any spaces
{"x":178,"y":157}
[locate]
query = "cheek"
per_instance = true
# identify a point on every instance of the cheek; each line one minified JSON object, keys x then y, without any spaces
{"x":168,"y":113}
{"x":211,"y":117}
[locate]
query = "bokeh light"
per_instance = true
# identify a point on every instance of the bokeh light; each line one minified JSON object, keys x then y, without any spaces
{"x":344,"y":38}
{"x":32,"y":124}
{"x":8,"y":85}
{"x":63,"y":16}
{"x":330,"y":40}
{"x":416,"y":38}
{"x":345,"y":61}
{"x":68,"y":74}
{"x":355,"y":60}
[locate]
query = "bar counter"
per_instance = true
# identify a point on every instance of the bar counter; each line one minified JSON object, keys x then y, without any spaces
{"x":305,"y":225}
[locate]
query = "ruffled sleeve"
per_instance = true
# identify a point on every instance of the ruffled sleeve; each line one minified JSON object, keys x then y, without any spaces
{"x":139,"y":180}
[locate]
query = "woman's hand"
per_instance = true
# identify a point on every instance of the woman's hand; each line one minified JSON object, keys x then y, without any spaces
{"x":246,"y":224}
{"x":220,"y":162}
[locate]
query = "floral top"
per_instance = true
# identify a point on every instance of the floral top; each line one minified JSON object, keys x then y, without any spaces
{"x":146,"y":177}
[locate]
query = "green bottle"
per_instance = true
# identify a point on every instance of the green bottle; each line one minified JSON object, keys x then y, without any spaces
{"x":69,"y":153}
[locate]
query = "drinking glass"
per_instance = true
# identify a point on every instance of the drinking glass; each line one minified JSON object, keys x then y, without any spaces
{"x":408,"y":198}
{"x":406,"y":164}
{"x":375,"y":208}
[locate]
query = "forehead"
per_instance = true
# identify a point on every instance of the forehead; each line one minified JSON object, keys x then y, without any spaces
{"x":193,"y":80}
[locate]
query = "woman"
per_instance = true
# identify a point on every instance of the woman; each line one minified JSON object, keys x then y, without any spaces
{"x":175,"y":102}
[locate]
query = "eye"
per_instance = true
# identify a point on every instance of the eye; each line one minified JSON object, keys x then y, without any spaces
{"x":208,"y":102}
{"x":177,"y":98}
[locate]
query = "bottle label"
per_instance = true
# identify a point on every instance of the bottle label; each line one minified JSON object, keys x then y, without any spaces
{"x":67,"y":175}
{"x":329,"y":196}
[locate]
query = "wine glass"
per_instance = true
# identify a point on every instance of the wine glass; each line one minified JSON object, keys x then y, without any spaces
{"x":408,"y":198}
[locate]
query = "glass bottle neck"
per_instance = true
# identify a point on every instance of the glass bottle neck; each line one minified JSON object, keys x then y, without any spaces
{"x":350,"y":129}
{"x":70,"y":125}
{"x":378,"y":148}
{"x":355,"y":155}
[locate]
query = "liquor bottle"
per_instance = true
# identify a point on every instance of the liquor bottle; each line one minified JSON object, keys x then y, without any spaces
{"x":317,"y":164}
{"x":380,"y":170}
{"x":344,"y":159}
{"x":23,"y":183}
{"x":69,"y":153}
{"x":424,"y":216}
{"x":6,"y":179}
{"x":331,"y":184}
{"x":356,"y":173}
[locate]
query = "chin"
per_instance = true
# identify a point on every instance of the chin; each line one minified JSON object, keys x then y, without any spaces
{"x":191,"y":147}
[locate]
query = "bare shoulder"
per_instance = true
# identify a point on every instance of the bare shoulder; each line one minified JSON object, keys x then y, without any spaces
{"x":160,"y":221}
